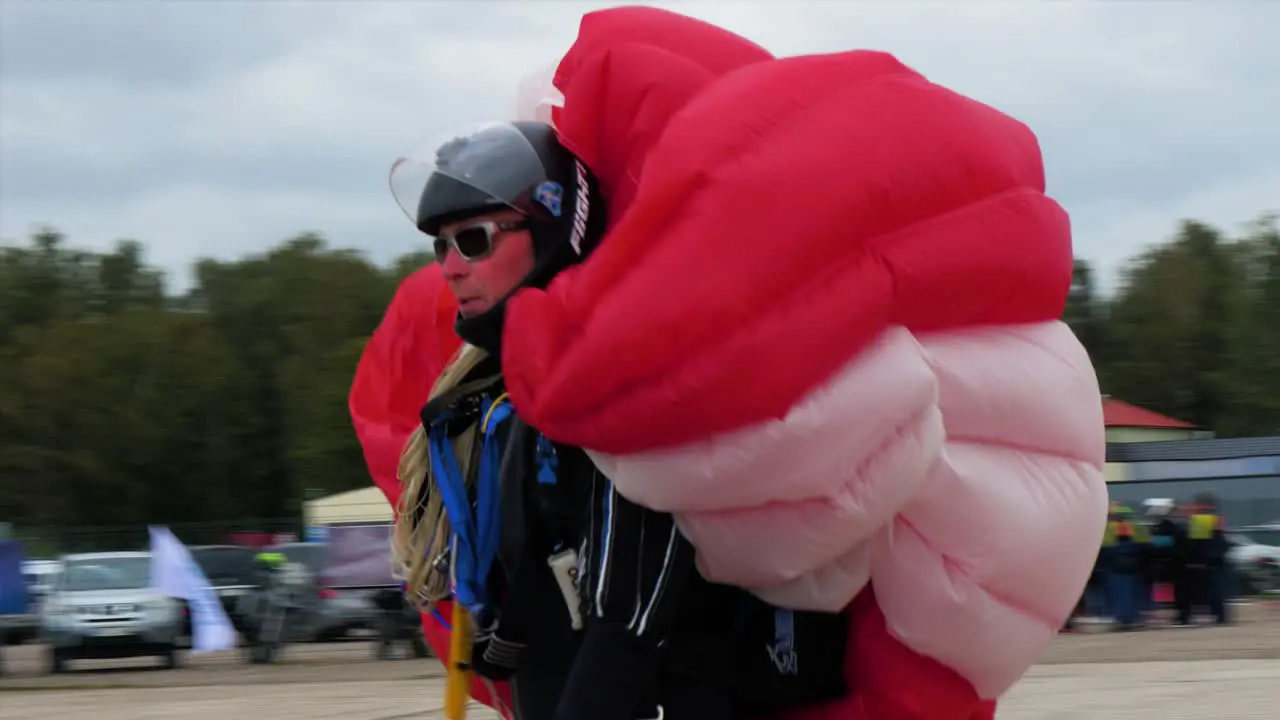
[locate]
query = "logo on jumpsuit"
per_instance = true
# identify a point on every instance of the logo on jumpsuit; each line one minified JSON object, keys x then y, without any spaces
{"x":783,"y":650}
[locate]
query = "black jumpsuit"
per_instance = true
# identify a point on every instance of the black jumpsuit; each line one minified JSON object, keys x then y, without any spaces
{"x":655,"y":633}
{"x":658,"y":640}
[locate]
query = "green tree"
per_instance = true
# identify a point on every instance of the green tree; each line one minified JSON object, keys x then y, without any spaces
{"x":1252,"y":375}
{"x":1086,"y":312}
{"x":292,"y":316}
{"x":123,"y":403}
{"x":1193,"y":329}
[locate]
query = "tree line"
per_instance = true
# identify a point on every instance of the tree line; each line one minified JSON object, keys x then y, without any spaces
{"x":124,"y":403}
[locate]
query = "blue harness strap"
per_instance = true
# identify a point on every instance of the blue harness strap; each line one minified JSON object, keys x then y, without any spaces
{"x":548,"y":461}
{"x":476,"y":527}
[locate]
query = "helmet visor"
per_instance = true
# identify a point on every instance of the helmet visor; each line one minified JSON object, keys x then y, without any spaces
{"x":481,"y":169}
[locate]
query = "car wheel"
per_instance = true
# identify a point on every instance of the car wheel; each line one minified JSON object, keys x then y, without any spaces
{"x":1268,"y":576}
{"x":262,"y":653}
{"x":172,"y":660}
{"x":57,"y":661}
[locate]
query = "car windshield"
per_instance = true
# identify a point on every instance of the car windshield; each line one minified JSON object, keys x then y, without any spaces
{"x":120,"y":573}
{"x":226,"y":565}
{"x":312,"y":555}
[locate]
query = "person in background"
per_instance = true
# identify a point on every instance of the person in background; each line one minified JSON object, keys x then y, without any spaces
{"x":1165,"y":552}
{"x":1096,"y":592}
{"x":1206,"y":560}
{"x":1141,"y":528}
{"x":1103,"y":565}
{"x":591,"y":606}
{"x":265,"y":564}
{"x":1125,"y":573}
{"x":1184,"y":590}
{"x":396,"y":620}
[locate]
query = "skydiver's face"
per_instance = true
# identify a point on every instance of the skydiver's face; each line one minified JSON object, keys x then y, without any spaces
{"x":501,"y":258}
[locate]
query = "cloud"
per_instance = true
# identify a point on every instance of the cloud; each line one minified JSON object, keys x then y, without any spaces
{"x":216,"y":129}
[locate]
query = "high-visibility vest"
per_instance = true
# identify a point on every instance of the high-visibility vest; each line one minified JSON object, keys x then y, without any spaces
{"x":1203,"y":526}
{"x":1141,"y":533}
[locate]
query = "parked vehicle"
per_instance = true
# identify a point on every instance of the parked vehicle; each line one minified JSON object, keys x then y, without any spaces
{"x":16,"y":604}
{"x":38,"y":577}
{"x":103,"y":606}
{"x":229,"y":569}
{"x":1256,"y":564}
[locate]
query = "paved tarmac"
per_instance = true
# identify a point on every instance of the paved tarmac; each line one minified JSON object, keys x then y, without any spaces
{"x":1166,"y":674}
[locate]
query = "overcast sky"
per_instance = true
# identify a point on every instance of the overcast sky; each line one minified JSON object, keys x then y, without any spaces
{"x":221,"y":128}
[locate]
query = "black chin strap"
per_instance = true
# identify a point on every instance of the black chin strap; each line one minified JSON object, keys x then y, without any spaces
{"x":484,"y":330}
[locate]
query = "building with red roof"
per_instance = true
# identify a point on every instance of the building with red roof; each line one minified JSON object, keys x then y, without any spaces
{"x":1128,"y":423}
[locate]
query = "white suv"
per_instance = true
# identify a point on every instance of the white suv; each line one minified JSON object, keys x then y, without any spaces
{"x":104,"y":606}
{"x":1258,"y":563}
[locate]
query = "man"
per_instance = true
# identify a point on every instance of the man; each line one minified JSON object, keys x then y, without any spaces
{"x":280,"y":593}
{"x":397,"y":620}
{"x":509,"y":208}
{"x":624,"y":626}
{"x":1125,"y":576}
{"x":1116,"y":513}
{"x":1205,"y":582}
{"x":1165,"y":551}
{"x":265,"y":564}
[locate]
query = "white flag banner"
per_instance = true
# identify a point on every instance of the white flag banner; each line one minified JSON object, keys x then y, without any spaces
{"x":175,"y":573}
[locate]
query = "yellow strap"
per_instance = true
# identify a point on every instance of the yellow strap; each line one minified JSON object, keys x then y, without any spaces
{"x":458,"y":689}
{"x":489,"y":413}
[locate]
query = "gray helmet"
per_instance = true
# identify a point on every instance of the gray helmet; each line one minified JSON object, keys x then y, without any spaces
{"x":516,"y":165}
{"x":519,"y":165}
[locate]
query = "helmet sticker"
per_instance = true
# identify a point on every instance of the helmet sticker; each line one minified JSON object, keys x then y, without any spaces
{"x":549,"y":195}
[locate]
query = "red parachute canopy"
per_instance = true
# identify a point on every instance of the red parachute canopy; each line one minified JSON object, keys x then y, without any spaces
{"x":404,"y":357}
{"x":769,"y":218}
{"x":629,"y":71}
{"x":785,"y":216}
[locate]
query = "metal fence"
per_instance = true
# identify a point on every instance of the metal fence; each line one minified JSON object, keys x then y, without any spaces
{"x":54,"y":541}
